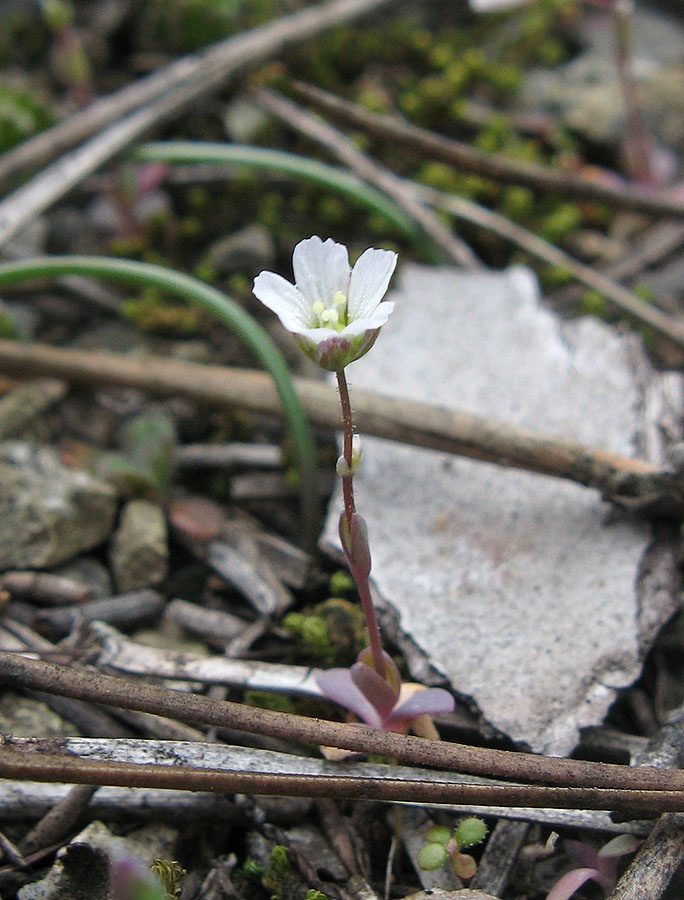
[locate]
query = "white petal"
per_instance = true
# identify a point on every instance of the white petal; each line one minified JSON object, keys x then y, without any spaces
{"x":283,"y":299}
{"x":321,"y":269}
{"x":376,"y":319}
{"x":316,"y":335}
{"x":369,"y":281}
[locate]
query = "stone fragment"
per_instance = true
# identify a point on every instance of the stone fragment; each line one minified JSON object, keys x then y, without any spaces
{"x":26,"y":717}
{"x":139,"y":552}
{"x":48,"y":511}
{"x":82,"y":868}
{"x":536,"y":599}
{"x":586,"y":92}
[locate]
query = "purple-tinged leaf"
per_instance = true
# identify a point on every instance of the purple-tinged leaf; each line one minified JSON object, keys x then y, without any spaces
{"x":391,"y":673}
{"x":379,"y":692}
{"x":430,"y":702}
{"x":571,"y":882}
{"x":337,"y":685}
{"x":583,"y":854}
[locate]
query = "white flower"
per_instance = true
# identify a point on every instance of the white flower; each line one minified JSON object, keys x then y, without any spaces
{"x":334,"y":312}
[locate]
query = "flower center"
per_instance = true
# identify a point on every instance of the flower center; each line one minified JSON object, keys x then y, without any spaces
{"x":334,"y":316}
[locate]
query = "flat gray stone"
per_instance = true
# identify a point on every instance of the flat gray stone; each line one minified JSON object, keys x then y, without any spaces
{"x":48,"y":512}
{"x":585,"y":92}
{"x":526,"y":591}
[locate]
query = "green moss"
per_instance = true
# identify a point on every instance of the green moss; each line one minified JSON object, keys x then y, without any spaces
{"x":277,"y":876}
{"x":561,"y":223}
{"x":341,"y":583}
{"x":594,"y":304}
{"x":555,"y":276}
{"x":346,"y":627}
{"x":151,"y":312}
{"x":252,"y":869}
{"x":517,"y":203}
{"x":268,"y":700}
{"x":645,"y":293}
{"x":438,"y":175}
{"x":8,"y":327}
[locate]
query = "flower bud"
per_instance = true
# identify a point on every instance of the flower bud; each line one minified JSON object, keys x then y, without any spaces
{"x":355,"y":544}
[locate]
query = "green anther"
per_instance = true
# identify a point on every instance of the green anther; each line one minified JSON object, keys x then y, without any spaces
{"x":340,"y":299}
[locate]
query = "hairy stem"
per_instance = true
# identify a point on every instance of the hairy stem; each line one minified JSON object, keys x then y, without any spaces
{"x":359,"y":576}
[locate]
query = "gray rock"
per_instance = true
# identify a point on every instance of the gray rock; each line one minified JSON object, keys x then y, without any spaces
{"x":48,"y":512}
{"x":586,"y":93}
{"x":524,"y":590}
{"x":89,"y":572}
{"x":26,"y":717}
{"x":82,"y":868}
{"x":139,"y":552}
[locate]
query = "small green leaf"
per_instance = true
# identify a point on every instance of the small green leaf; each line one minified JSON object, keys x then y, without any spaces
{"x":432,"y":856}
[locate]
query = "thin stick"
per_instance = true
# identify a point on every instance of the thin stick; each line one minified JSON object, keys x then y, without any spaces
{"x":627,"y":301}
{"x":412,"y":197}
{"x":456,"y":250}
{"x":202,"y":72}
{"x":619,"y":478}
{"x":19,"y":672}
{"x":489,"y":165}
{"x":50,"y":767}
{"x":57,"y":179}
{"x":656,"y":862}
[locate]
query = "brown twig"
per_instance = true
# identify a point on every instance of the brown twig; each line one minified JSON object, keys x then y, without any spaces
{"x":456,"y":250}
{"x":59,"y":821}
{"x":648,"y":789}
{"x":46,"y":766}
{"x":489,"y":165}
{"x":340,"y":145}
{"x":627,"y":301}
{"x":621,"y":479}
{"x":202,"y":73}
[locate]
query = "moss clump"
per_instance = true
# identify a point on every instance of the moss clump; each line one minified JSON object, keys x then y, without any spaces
{"x":561,"y":222}
{"x":151,"y":312}
{"x":333,"y":633}
{"x":594,"y":304}
{"x":267,"y":700}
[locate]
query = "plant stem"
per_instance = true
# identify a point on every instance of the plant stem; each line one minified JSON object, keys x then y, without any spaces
{"x":359,"y":576}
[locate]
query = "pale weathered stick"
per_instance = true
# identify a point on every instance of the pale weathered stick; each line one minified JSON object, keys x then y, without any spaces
{"x":619,"y":478}
{"x":657,"y":861}
{"x":648,"y":790}
{"x":663,"y":324}
{"x":50,"y":185}
{"x":489,"y":165}
{"x":415,"y":196}
{"x":205,"y":71}
{"x":31,"y":199}
{"x":52,"y":766}
{"x":456,"y":250}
